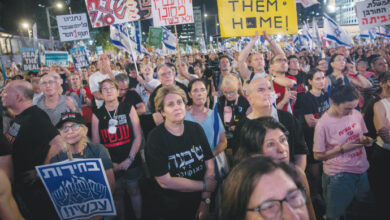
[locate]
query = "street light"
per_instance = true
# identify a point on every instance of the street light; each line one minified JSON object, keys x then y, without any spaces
{"x":26,"y":25}
{"x":58,"y":5}
{"x":216,"y":22}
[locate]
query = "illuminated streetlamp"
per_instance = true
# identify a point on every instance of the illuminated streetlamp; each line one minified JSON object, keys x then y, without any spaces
{"x":58,"y":5}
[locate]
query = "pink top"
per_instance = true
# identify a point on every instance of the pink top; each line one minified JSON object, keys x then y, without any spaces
{"x":331,"y":132}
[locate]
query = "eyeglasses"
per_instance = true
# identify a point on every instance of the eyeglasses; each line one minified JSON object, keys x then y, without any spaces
{"x":281,"y":60}
{"x":226,"y":93}
{"x":323,"y":64}
{"x":273,"y":208}
{"x":105,"y":89}
{"x":68,"y":127}
{"x":50,"y":82}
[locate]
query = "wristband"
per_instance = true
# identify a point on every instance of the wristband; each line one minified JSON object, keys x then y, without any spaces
{"x":131,"y":158}
{"x":204,"y":185}
{"x":341,"y":149}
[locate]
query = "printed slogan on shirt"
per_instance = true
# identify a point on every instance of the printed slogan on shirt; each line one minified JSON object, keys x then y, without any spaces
{"x":245,"y":17}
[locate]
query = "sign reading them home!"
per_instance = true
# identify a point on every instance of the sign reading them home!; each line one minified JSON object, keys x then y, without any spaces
{"x":245,"y":17}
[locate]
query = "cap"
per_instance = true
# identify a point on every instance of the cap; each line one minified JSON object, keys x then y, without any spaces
{"x":70,"y":117}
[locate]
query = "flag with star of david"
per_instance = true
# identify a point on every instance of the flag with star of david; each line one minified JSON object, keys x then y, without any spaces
{"x":333,"y":32}
{"x":168,"y":39}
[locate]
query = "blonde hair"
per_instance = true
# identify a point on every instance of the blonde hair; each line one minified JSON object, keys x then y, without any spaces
{"x":164,"y":91}
{"x":231,"y":80}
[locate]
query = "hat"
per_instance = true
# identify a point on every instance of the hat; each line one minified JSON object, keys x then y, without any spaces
{"x":70,"y":117}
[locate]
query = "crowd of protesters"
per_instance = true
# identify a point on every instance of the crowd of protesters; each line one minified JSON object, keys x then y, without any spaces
{"x":305,"y":135}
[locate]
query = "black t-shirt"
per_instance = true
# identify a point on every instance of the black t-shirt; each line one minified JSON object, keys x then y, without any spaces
{"x":120,"y":143}
{"x":5,"y":147}
{"x":180,"y":156}
{"x":147,"y":123}
{"x":301,"y":82}
{"x":154,"y":93}
{"x":131,"y":97}
{"x":296,"y":141}
{"x":239,"y":110}
{"x":316,"y":106}
{"x":368,"y":111}
{"x":92,"y":150}
{"x":29,"y":134}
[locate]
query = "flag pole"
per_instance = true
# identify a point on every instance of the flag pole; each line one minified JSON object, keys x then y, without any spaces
{"x":177,"y":43}
{"x":131,"y":50}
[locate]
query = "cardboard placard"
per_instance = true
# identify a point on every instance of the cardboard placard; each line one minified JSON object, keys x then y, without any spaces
{"x":107,"y":12}
{"x":171,"y":12}
{"x":59,"y":58}
{"x":73,"y":27}
{"x":80,"y":57}
{"x":155,"y":36}
{"x":245,"y":17}
{"x":373,"y":13}
{"x":30,"y":59}
{"x":78,"y":189}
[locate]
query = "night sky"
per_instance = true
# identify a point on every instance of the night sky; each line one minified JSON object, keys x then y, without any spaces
{"x":12,"y":12}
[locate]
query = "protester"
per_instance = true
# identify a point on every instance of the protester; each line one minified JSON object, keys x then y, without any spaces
{"x":167,"y":78}
{"x":261,"y":188}
{"x":183,"y":76}
{"x":74,"y":131}
{"x":339,"y":142}
{"x":104,"y":72}
{"x":146,"y":85}
{"x":116,"y":126}
{"x":131,"y":70}
{"x":34,"y":141}
{"x":300,"y":76}
{"x":52,"y":102}
{"x":183,"y":188}
{"x":129,"y":96}
{"x":232,"y":105}
{"x":315,"y":103}
{"x":205,"y":117}
{"x":85,"y":97}
{"x":260,"y":98}
{"x":381,"y":154}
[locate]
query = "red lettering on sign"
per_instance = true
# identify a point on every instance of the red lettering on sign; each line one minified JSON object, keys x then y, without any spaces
{"x":118,"y":9}
{"x":106,"y":8}
{"x":95,"y":2}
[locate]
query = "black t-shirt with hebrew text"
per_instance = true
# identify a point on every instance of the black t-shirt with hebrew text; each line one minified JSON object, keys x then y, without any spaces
{"x":181,"y":156}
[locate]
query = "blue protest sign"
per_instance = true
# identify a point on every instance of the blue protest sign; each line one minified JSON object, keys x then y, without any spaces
{"x":30,"y":59}
{"x":59,"y":58}
{"x":80,"y":57}
{"x":78,"y":189}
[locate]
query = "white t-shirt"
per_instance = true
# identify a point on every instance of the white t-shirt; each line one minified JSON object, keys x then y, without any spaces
{"x":145,"y":94}
{"x":94,"y":81}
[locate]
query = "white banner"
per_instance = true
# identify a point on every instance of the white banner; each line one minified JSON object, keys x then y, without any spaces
{"x":373,"y":13}
{"x":172,"y":12}
{"x":73,"y":27}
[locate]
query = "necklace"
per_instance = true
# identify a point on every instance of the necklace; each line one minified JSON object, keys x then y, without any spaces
{"x":112,"y":123}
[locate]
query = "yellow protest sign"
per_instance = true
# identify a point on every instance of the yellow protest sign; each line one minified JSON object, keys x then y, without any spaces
{"x":245,"y":17}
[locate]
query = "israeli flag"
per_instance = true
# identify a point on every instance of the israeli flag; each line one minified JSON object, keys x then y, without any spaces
{"x":333,"y":32}
{"x":168,"y":39}
{"x":368,"y":33}
{"x":306,"y":33}
{"x":298,"y":43}
{"x":124,"y":37}
{"x":383,"y":32}
{"x":316,"y":35}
